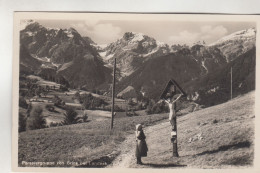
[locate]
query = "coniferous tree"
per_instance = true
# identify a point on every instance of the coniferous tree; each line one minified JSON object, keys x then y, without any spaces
{"x":36,"y":120}
{"x":70,"y":117}
{"x":22,"y":122}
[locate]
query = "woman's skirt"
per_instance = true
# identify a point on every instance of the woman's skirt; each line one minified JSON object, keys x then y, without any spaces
{"x":141,"y":148}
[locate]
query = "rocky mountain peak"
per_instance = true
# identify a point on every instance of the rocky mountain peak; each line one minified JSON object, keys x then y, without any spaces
{"x":236,"y":36}
{"x":236,"y":44}
{"x":134,"y":36}
{"x":132,"y":50}
{"x":31,"y":25}
{"x":71,"y":32}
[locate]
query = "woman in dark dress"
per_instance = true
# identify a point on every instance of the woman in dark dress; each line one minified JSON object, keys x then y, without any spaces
{"x":141,"y":146}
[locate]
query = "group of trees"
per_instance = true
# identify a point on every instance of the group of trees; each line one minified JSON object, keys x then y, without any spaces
{"x":30,"y":88}
{"x":35,"y":119}
{"x":89,"y":101}
{"x":50,"y":75}
{"x":156,"y":108}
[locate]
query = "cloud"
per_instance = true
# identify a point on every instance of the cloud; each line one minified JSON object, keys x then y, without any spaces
{"x":207,"y":33}
{"x":91,"y":23}
{"x":184,"y":37}
{"x":99,"y":32}
{"x":106,"y":32}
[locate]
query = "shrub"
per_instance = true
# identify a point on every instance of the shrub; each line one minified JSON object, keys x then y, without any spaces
{"x":85,"y":118}
{"x":63,"y":88}
{"x":55,"y":124}
{"x":139,"y":106}
{"x":76,"y":96}
{"x":215,"y":121}
{"x":23,"y":103}
{"x":131,"y":102}
{"x":50,"y":108}
{"x":22,"y":122}
{"x":149,"y":107}
{"x":157,"y":108}
{"x":87,"y":103}
{"x":58,"y":101}
{"x":70,"y":117}
{"x":38,"y":91}
{"x":36,"y":120}
{"x":45,"y":92}
{"x":48,"y":88}
{"x":91,"y":102}
{"x":97,"y":102}
{"x":29,"y":109}
{"x":117,"y":108}
{"x":131,"y":113}
{"x":160,"y":108}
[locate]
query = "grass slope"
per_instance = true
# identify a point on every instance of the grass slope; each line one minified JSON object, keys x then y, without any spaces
{"x":227,"y":132}
{"x":79,"y":143}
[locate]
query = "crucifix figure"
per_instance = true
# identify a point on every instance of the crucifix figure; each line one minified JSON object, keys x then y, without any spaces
{"x":172,"y":107}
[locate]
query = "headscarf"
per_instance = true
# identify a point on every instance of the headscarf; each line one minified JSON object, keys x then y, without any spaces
{"x":138,"y":127}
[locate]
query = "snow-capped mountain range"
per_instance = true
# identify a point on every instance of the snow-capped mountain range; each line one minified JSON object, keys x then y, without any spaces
{"x":143,"y":63}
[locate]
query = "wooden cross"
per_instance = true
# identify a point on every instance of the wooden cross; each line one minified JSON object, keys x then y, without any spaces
{"x":170,"y":95}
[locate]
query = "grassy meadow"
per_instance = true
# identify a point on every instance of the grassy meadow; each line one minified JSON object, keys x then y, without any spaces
{"x":83,"y":142}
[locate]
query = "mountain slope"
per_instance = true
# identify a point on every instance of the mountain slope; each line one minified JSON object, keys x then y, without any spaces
{"x":215,"y":87}
{"x":132,"y":50}
{"x":152,"y":76}
{"x":88,"y":72}
{"x":183,"y":66}
{"x":59,"y":45}
{"x":28,"y":64}
{"x":64,"y":50}
{"x":236,"y":43}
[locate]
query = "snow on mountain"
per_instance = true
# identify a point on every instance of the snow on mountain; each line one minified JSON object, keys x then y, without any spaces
{"x":57,"y":44}
{"x":237,"y":36}
{"x":103,"y":46}
{"x":73,"y":57}
{"x":137,"y":37}
{"x":132,"y":50}
{"x":137,"y":43}
{"x":236,"y":43}
{"x":24,"y":23}
{"x":69,"y":33}
{"x":203,"y":65}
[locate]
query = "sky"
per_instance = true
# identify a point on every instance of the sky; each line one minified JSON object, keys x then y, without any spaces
{"x":170,"y":32}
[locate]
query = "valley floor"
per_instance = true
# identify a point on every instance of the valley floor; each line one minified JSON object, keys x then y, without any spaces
{"x":217,"y":137}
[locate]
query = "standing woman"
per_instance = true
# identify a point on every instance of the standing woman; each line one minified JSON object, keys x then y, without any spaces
{"x":141,"y":146}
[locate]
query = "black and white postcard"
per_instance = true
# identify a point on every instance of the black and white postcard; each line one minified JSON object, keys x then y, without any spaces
{"x":98,"y":91}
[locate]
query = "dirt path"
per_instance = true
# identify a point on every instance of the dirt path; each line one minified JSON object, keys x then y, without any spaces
{"x":126,"y":158}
